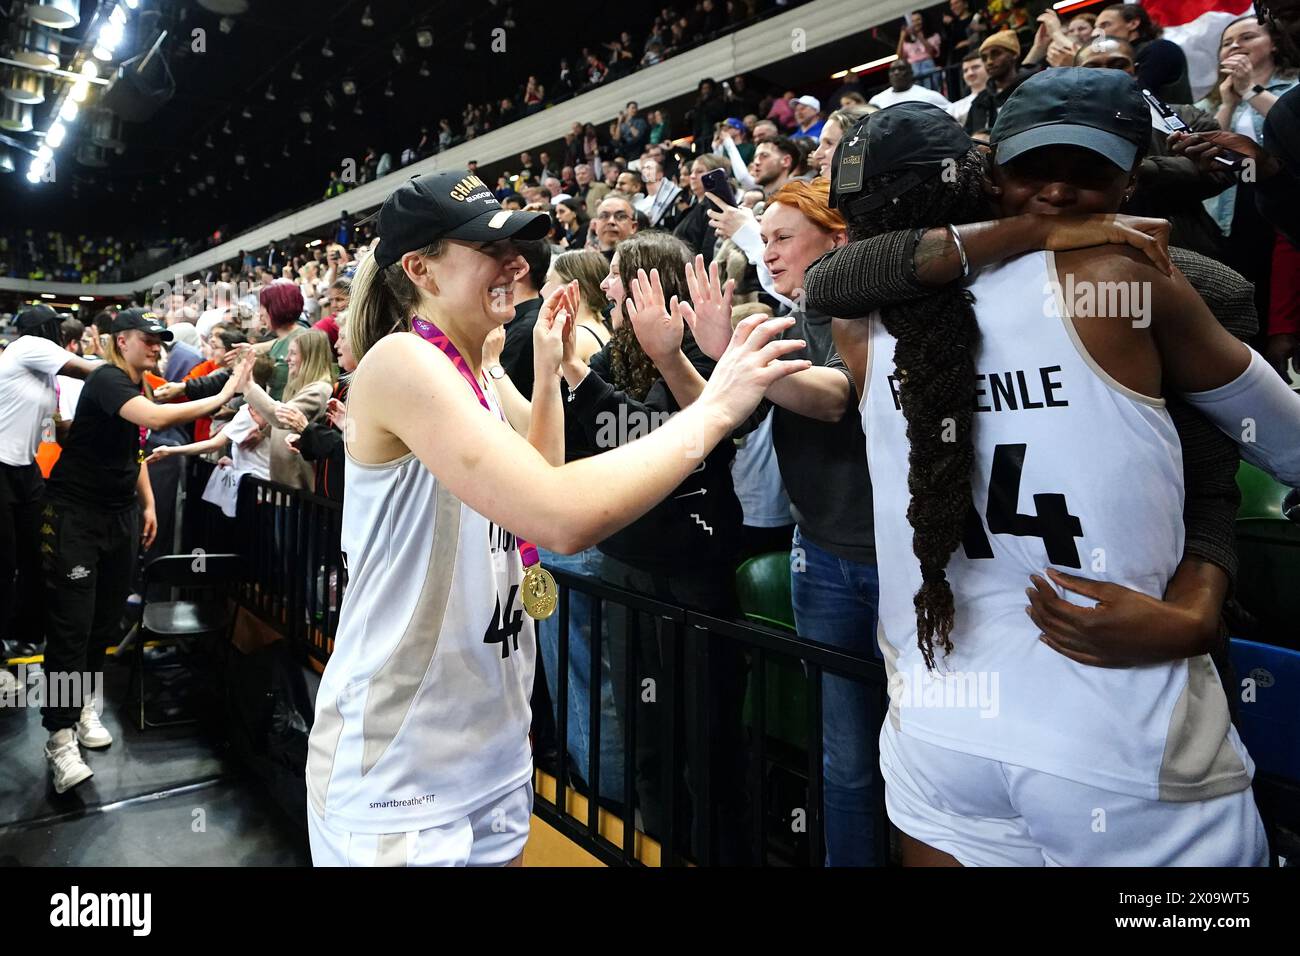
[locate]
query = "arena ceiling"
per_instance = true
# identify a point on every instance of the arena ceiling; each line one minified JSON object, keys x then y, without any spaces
{"x":263,"y":110}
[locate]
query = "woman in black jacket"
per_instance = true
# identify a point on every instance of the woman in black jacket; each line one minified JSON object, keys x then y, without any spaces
{"x":683,"y":551}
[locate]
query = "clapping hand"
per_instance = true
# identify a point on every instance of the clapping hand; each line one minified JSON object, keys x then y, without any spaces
{"x":337,"y":413}
{"x":554,"y":330}
{"x":291,"y":418}
{"x":709,"y":311}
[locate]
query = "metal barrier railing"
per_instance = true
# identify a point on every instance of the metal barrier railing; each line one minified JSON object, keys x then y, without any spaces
{"x":296,"y":581}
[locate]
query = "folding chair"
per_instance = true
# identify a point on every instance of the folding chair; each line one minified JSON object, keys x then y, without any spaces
{"x":206,"y":579}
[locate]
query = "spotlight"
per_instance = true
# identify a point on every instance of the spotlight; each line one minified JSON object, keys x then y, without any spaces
{"x":399,"y":54}
{"x":176,"y":168}
{"x":226,"y":25}
{"x":285,"y":152}
{"x":349,"y":87}
{"x":325,"y":50}
{"x":210,"y":179}
{"x":132,"y":4}
{"x":366,"y":19}
{"x":469,"y":42}
{"x":54,"y":138}
{"x":239,"y":159}
{"x":388,"y":89}
{"x":247,"y":114}
{"x":80,"y":90}
{"x":305,"y":115}
{"x":207,"y":143}
{"x":424,"y":38}
{"x":118,"y":16}
{"x":43,"y":152}
{"x":424,"y":69}
{"x":89,"y":70}
{"x":69,"y":111}
{"x":270,"y":92}
{"x":225,"y":127}
{"x":296,"y":73}
{"x":357,"y":109}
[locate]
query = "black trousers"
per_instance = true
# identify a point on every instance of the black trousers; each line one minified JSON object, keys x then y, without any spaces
{"x":22,"y":609}
{"x":710,"y":733}
{"x":89,"y":560}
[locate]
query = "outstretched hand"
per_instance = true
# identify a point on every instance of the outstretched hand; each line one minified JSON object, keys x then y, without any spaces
{"x":709,"y":311}
{"x":749,"y":366}
{"x":657,"y":324}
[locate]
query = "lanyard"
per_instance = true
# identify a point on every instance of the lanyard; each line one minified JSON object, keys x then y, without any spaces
{"x":435,"y":336}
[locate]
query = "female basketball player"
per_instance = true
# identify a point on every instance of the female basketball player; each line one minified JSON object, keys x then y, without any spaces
{"x":419,"y":754}
{"x":1002,"y":748}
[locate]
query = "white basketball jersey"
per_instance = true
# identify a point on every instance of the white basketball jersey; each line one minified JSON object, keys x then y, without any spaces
{"x":423,"y":711}
{"x":1075,"y":471}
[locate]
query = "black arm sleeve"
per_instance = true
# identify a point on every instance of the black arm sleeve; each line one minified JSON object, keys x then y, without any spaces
{"x":855,"y":280}
{"x":319,"y":441}
{"x":1211,"y":458}
{"x":207,"y":386}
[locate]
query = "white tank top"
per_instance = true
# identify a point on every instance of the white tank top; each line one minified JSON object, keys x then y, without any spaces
{"x":423,"y":711}
{"x":1086,"y":476}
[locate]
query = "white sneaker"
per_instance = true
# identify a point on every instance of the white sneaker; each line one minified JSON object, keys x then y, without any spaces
{"x":90,"y":732}
{"x":64,"y":757}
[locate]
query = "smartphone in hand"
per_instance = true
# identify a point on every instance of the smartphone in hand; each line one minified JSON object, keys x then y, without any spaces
{"x":715,"y":182}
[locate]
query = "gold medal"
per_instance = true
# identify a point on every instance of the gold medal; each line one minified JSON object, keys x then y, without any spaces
{"x":540,"y":594}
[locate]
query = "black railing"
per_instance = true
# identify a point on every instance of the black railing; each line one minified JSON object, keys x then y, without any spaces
{"x":764,"y":808}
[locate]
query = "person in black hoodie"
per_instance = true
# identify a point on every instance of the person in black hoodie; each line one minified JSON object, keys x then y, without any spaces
{"x":321,"y":441}
{"x":683,"y":551}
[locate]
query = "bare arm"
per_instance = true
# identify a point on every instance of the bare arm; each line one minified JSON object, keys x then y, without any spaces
{"x":819,"y":393}
{"x":500,"y":475}
{"x":78,"y":367}
{"x":855,"y":280}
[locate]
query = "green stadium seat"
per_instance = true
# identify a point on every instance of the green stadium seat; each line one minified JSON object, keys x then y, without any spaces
{"x":763,"y":590}
{"x":1268,"y":551}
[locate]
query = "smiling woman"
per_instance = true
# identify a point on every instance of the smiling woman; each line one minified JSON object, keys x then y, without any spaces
{"x":98,"y":511}
{"x":419,"y":754}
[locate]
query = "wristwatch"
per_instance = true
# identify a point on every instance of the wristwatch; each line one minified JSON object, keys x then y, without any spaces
{"x":497,"y":372}
{"x":1254,"y":92}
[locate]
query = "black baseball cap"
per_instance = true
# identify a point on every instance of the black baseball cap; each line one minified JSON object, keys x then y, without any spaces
{"x":140,"y":320}
{"x":918,"y":139}
{"x":33,"y":317}
{"x":448,"y":205}
{"x":1100,"y":110}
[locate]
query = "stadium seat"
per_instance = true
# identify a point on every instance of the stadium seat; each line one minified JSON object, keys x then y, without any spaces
{"x":1270,"y":724}
{"x":1268,"y":550}
{"x":763,"y":589}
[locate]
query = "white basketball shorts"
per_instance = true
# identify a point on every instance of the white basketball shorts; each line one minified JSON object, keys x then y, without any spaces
{"x":493,"y":835}
{"x":987,"y":813}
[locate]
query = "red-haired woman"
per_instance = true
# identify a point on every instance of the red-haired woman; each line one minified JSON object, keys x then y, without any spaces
{"x":280,"y":308}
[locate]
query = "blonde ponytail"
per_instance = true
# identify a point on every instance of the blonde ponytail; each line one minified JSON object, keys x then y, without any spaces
{"x":382,"y":301}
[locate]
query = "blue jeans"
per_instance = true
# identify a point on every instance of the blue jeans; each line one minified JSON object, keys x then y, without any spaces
{"x":548,"y":642}
{"x":835,"y":603}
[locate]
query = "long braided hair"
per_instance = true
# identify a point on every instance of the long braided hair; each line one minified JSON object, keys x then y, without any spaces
{"x":934,"y":361}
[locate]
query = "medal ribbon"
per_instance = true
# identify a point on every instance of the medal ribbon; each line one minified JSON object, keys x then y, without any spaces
{"x":435,"y":336}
